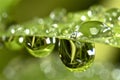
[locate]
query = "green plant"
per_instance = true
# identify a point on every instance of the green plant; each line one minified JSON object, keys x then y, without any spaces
{"x":74,"y":34}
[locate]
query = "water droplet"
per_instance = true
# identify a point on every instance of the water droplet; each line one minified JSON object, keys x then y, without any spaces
{"x":94,"y":29}
{"x":83,"y":18}
{"x":57,"y":14}
{"x":76,"y":55}
{"x":39,"y":46}
{"x":27,"y":31}
{"x":75,"y":35}
{"x":112,"y":16}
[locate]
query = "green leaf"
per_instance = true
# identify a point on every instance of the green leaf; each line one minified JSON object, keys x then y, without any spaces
{"x":91,"y":26}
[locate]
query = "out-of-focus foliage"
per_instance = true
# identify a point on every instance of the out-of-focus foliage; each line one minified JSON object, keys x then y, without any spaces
{"x":6,"y":4}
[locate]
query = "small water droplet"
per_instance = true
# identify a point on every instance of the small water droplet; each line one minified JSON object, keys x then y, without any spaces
{"x":27,"y":31}
{"x":83,"y":18}
{"x":39,"y":46}
{"x":21,"y":39}
{"x":76,"y":55}
{"x":12,"y":31}
{"x":94,"y":29}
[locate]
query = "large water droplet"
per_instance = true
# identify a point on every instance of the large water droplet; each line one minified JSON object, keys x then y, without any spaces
{"x":76,"y":55}
{"x":94,"y":29}
{"x":39,"y":46}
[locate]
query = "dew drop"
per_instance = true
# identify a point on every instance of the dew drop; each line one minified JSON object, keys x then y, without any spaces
{"x":83,"y":18}
{"x":94,"y":29}
{"x":39,"y":46}
{"x":76,"y":55}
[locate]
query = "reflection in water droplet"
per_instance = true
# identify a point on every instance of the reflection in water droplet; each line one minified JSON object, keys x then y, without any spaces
{"x":94,"y":31}
{"x":76,"y":55}
{"x":39,"y":47}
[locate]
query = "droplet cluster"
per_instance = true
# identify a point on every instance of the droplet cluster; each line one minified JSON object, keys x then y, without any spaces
{"x":74,"y":33}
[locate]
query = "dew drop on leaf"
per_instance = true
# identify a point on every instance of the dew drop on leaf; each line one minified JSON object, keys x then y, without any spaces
{"x":94,"y":29}
{"x":76,"y":55}
{"x":39,"y":46}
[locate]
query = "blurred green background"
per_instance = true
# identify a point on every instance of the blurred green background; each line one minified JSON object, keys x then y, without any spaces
{"x":20,"y":65}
